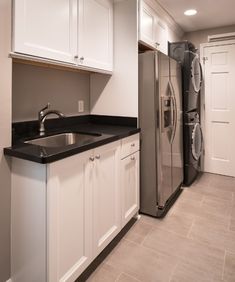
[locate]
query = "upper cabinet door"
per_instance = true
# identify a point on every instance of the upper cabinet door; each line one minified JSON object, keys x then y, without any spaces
{"x":46,"y":29}
{"x":147,"y":24}
{"x":95,"y":34}
{"x":161,"y":36}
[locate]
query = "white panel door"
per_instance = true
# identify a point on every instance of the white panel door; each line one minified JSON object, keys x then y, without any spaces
{"x":46,"y":29}
{"x":95,"y":34}
{"x":69,"y":217}
{"x":220,"y":109}
{"x":106,"y":196}
{"x":130,"y":187}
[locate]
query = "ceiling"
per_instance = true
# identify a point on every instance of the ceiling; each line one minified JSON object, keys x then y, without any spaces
{"x":211,"y":13}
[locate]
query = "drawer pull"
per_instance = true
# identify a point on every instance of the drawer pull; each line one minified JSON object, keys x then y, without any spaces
{"x":133,"y":145}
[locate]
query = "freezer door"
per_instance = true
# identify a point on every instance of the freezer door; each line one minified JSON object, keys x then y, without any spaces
{"x":166,"y":131}
{"x":177,"y":141}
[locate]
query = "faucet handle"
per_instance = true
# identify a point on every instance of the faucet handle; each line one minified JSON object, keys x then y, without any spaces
{"x":43,"y":109}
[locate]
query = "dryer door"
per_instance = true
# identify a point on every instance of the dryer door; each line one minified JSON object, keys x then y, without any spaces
{"x":197,"y":141}
{"x":196,"y":74}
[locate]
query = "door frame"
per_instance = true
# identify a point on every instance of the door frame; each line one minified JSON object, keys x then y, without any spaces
{"x":202,"y":106}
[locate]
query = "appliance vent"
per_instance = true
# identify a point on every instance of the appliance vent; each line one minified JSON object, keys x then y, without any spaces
{"x":221,"y":37}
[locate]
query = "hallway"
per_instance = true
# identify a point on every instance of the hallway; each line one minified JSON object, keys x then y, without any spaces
{"x":194,"y":242}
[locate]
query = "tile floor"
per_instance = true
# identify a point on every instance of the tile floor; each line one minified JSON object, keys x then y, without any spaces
{"x":195,"y":242}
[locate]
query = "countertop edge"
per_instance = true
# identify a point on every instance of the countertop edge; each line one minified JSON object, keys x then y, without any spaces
{"x":13,"y":152}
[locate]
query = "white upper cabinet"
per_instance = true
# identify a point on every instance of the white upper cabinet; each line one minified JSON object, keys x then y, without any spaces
{"x":152,"y":30}
{"x":95,"y":33}
{"x":147,"y":24}
{"x":79,"y":32}
{"x":161,"y":36}
{"x":46,"y":29}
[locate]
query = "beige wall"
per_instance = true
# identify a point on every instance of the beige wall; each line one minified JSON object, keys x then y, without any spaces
{"x":34,"y":87}
{"x":5,"y":137}
{"x":201,"y":36}
{"x":118,"y":94}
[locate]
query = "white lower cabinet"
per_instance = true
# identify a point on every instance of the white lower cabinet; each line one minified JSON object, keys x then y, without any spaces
{"x":130,"y":187}
{"x":65,"y":213}
{"x":69,"y":217}
{"x":106,"y":196}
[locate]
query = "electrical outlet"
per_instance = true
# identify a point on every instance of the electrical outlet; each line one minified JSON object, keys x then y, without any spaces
{"x":80,"y":106}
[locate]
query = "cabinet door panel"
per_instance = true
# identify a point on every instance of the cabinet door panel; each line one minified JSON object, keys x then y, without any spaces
{"x":95,"y":35}
{"x":69,"y":229}
{"x":130,"y":187}
{"x":161,"y":36}
{"x":147,"y":24}
{"x":106,"y":196}
{"x":46,"y":29}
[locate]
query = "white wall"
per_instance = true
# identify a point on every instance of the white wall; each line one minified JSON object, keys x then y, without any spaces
{"x":34,"y":87}
{"x":5,"y":137}
{"x":118,"y":94}
{"x":201,"y":36}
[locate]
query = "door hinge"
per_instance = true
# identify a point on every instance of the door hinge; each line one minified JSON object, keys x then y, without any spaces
{"x":204,"y":59}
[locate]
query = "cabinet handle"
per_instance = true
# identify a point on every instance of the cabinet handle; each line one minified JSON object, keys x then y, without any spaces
{"x":92,"y":159}
{"x":157,"y":43}
{"x":133,"y":145}
{"x":82,"y":59}
{"x":76,"y":57}
{"x":132,"y":158}
{"x":97,"y":157}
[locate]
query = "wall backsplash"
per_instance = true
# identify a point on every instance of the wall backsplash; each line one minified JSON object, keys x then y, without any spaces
{"x":34,"y":87}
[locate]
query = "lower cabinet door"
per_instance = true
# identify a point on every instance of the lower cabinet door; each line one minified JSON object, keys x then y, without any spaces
{"x":130,"y":187}
{"x":69,"y":217}
{"x":106,"y":196}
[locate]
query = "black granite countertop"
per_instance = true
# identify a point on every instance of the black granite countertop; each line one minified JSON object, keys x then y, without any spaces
{"x":110,"y":128}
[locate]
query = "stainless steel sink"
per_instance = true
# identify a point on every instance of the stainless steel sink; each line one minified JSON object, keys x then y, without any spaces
{"x":63,"y":139}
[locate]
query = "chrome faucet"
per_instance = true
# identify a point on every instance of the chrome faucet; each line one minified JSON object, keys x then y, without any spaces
{"x":42,"y":115}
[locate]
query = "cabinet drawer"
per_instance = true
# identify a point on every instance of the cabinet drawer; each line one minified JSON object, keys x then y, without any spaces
{"x":130,"y":145}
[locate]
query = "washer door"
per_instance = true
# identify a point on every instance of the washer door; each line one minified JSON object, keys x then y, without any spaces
{"x":197,"y":141}
{"x":196,"y":74}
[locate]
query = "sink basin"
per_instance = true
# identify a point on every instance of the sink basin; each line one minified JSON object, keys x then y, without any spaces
{"x":63,"y":139}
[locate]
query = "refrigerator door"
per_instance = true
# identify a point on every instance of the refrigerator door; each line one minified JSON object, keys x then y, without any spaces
{"x":148,"y":112}
{"x":177,"y":141}
{"x":166,"y":131}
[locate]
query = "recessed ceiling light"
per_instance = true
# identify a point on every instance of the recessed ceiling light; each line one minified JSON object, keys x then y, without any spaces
{"x":190,"y":12}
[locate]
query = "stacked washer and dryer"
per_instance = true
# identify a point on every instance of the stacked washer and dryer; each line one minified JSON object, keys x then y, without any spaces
{"x":185,"y":53}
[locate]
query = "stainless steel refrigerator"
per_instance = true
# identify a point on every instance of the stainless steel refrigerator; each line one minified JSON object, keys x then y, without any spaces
{"x":160,"y":118}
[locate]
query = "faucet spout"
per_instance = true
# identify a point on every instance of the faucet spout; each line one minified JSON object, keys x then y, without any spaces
{"x":43,"y":115}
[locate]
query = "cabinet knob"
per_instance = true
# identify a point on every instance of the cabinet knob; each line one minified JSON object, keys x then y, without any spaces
{"x":76,"y":57}
{"x":82,"y":59}
{"x":97,"y":157}
{"x":132,"y":158}
{"x":92,"y":159}
{"x":133,"y":145}
{"x":157,"y":43}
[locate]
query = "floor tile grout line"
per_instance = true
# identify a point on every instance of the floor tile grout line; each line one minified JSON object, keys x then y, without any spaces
{"x":116,"y":280}
{"x":173,"y":271}
{"x":223,"y":270}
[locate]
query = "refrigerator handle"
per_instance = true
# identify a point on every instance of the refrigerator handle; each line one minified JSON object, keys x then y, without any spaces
{"x":174,"y":104}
